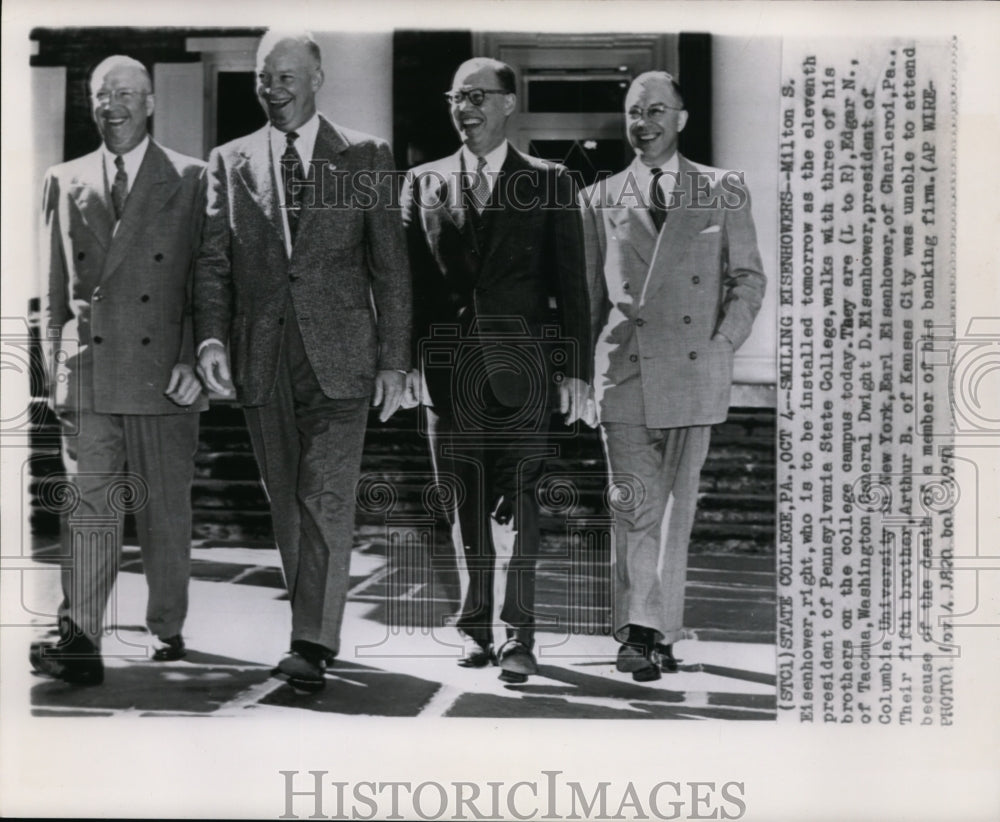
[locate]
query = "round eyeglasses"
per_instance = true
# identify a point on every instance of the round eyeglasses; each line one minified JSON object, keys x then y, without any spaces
{"x":476,"y":96}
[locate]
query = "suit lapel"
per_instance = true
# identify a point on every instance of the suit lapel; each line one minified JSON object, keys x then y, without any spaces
{"x":88,"y":192}
{"x":503,"y":218}
{"x":330,"y":144}
{"x":155,"y":183}
{"x":681,"y":226}
{"x":256,"y":172}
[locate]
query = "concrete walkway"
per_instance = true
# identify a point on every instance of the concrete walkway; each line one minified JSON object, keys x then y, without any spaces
{"x":393,"y":664}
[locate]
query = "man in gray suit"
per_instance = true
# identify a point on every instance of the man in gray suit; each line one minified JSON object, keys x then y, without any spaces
{"x":120,"y":230}
{"x":675,"y":280}
{"x":303,"y":272}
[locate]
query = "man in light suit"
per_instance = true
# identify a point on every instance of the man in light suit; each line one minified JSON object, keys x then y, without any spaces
{"x":303,"y":273}
{"x":676,"y":281}
{"x":493,"y":236}
{"x":121,"y":228}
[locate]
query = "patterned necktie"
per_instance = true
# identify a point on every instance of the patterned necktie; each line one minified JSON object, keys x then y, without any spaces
{"x":657,"y":202}
{"x":119,"y":189}
{"x":480,"y":191}
{"x":291,"y":176}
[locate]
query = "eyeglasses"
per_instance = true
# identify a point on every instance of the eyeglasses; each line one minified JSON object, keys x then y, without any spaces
{"x":476,"y":96}
{"x":657,"y":111}
{"x":119,"y":95}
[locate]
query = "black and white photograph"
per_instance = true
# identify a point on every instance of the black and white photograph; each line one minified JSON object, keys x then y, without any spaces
{"x":397,"y":400}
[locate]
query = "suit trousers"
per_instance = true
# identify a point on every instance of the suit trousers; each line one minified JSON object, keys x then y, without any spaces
{"x":308,"y":449}
{"x":160,"y":450}
{"x":653,"y":525}
{"x":488,"y":464}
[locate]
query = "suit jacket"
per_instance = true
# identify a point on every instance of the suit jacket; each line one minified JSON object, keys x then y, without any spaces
{"x":670,"y":308}
{"x":349,"y":249}
{"x":118,"y":313}
{"x":495,"y":286}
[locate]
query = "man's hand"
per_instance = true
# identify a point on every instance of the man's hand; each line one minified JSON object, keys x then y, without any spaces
{"x":412,"y":394}
{"x":589,"y":415}
{"x":183,"y":388}
{"x":573,"y":395}
{"x":213,"y":368}
{"x":389,"y":388}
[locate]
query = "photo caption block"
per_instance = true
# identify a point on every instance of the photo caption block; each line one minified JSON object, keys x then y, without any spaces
{"x":866,"y":486}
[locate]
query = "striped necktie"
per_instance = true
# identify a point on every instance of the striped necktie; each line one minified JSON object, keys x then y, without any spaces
{"x":119,"y":188}
{"x":291,"y":177}
{"x":480,"y":191}
{"x":657,"y":202}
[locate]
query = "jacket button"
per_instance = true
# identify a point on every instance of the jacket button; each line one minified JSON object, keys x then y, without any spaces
{"x":693,"y":355}
{"x":293,"y":277}
{"x":625,"y":286}
{"x":145,"y":298}
{"x":80,"y":255}
{"x":98,"y":296}
{"x":633,"y":358}
{"x":145,"y":340}
{"x":640,"y":322}
{"x":696,"y":279}
{"x":98,"y":340}
{"x":687,"y":320}
{"x":281,"y":320}
{"x":157,"y":257}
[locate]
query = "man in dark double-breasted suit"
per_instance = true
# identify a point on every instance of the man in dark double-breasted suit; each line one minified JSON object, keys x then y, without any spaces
{"x":120,"y":230}
{"x":676,"y":281}
{"x":494,"y":235}
{"x":303,"y":273}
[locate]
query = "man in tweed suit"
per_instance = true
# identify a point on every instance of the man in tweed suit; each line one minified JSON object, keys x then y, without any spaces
{"x":303,"y":272}
{"x":121,"y":228}
{"x":676,"y":281}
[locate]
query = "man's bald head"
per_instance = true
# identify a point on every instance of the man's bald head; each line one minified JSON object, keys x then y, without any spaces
{"x":122,"y":98}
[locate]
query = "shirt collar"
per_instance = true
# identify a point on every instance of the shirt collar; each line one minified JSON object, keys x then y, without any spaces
{"x":643,"y":173}
{"x":304,"y":145}
{"x":133,"y":159}
{"x":494,"y":159}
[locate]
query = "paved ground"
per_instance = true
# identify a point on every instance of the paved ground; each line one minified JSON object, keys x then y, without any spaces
{"x":394,"y":663}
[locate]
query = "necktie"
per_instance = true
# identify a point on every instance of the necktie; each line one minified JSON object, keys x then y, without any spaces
{"x":119,"y":189}
{"x":657,"y":202}
{"x":480,"y":191}
{"x":291,"y":176}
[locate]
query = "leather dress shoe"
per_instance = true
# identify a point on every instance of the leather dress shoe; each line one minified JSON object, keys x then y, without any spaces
{"x":665,"y":656}
{"x":303,"y":673}
{"x":305,"y":665}
{"x":638,"y":656}
{"x":76,"y":661}
{"x":476,"y":655}
{"x":517,"y":662}
{"x":171,"y":649}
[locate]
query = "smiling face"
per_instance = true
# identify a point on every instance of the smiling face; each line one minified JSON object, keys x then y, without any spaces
{"x":481,"y":128}
{"x":123,"y":101}
{"x":653,"y":134}
{"x":288,"y":77}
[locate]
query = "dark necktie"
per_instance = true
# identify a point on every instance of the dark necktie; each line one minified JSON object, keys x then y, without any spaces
{"x":657,"y":202}
{"x":480,"y":191}
{"x":119,"y":189}
{"x":291,"y":177}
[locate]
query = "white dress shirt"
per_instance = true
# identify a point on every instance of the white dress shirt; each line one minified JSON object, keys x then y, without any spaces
{"x":133,"y":159}
{"x":643,"y":176}
{"x":494,"y":162}
{"x":305,"y":144}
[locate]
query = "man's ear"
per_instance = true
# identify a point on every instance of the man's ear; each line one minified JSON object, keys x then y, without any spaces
{"x":682,"y":118}
{"x":317,"y":80}
{"x":150,"y":104}
{"x":509,"y":104}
